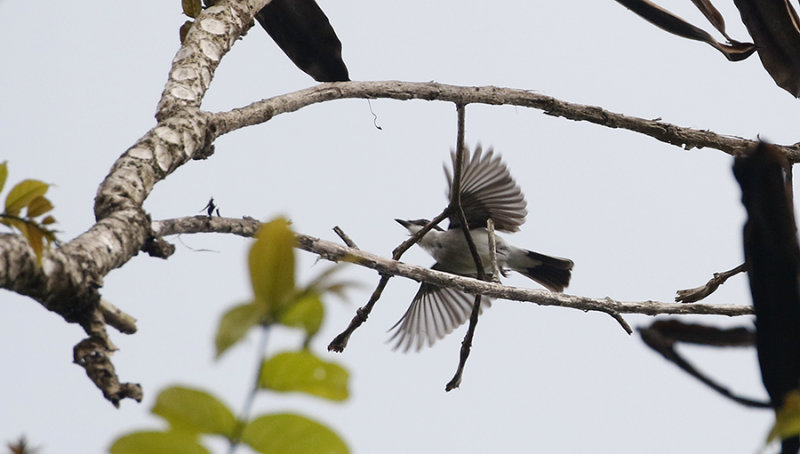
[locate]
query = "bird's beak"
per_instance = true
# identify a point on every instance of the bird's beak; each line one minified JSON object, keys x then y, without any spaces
{"x":403,"y":223}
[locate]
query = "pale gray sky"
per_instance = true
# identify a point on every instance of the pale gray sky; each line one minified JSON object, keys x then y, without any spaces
{"x":79,"y":85}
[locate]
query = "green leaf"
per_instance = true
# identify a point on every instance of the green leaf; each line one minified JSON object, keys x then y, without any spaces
{"x":787,"y":418}
{"x":23,"y":193}
{"x":303,"y":372}
{"x":3,"y":174}
{"x":152,"y":442}
{"x":235,"y":324}
{"x":191,"y":8}
{"x":34,"y":235}
{"x":286,"y":433}
{"x":39,"y":206}
{"x":190,"y":410}
{"x":306,"y":313}
{"x":272,"y":266}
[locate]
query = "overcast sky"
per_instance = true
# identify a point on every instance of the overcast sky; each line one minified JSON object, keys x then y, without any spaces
{"x":80,"y":82}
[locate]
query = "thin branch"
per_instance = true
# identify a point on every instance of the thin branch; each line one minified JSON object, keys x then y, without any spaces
{"x":493,"y":250}
{"x":334,"y":252}
{"x":455,"y":206}
{"x":696,"y":294}
{"x":686,"y":138}
{"x":347,"y":240}
{"x":244,"y":416}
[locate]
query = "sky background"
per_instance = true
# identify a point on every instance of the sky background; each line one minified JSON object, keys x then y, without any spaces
{"x":79,"y":85}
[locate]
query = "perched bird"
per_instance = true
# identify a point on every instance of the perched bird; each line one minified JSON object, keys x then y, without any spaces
{"x":487,"y":191}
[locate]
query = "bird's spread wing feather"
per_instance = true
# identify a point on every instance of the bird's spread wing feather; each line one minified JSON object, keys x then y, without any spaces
{"x":434,"y":313}
{"x":487,"y":191}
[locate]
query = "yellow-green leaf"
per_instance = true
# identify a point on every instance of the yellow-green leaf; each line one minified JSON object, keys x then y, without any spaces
{"x":234,"y":324}
{"x":193,"y":411}
{"x":48,"y":220}
{"x":787,"y":418}
{"x":39,"y":206}
{"x":22,"y":194}
{"x":34,"y":236}
{"x":303,"y":372}
{"x":286,"y":433}
{"x":306,"y":313}
{"x":272,"y":266}
{"x":3,"y":174}
{"x":191,"y":8}
{"x":152,"y":442}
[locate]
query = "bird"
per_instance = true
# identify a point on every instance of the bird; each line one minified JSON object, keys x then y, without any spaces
{"x":487,"y":191}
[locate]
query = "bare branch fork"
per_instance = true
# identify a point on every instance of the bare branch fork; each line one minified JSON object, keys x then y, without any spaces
{"x":334,"y":252}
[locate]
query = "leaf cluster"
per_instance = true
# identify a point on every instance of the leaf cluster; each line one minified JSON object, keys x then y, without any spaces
{"x":26,"y":209}
{"x":192,"y":413}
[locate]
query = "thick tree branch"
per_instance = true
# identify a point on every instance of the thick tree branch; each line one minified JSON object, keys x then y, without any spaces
{"x":69,"y":278}
{"x":338,"y":253}
{"x":687,"y":138}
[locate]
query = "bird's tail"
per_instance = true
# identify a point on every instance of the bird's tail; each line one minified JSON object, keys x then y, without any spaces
{"x":552,"y":272}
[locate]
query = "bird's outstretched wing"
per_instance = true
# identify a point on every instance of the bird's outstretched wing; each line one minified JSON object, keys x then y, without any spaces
{"x":487,"y":191}
{"x":304,"y":33}
{"x":434,"y":313}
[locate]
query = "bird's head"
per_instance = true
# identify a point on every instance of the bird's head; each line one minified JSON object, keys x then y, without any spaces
{"x":415,"y":225}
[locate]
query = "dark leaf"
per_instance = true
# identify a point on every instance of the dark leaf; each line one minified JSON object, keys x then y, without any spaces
{"x":667,"y":21}
{"x":192,"y":8}
{"x":303,"y":32}
{"x":773,"y":256}
{"x":184,"y":30}
{"x":773,"y":24}
{"x":713,"y":15}
{"x":662,"y":336}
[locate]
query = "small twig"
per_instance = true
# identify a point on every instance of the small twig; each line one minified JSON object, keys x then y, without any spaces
{"x":493,"y":251}
{"x":466,"y":346}
{"x":347,"y":240}
{"x":618,"y":317}
{"x":117,"y":318}
{"x":698,"y":293}
{"x":244,"y":416}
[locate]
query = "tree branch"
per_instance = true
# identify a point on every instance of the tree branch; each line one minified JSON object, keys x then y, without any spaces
{"x":337,"y":253}
{"x":686,"y":138}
